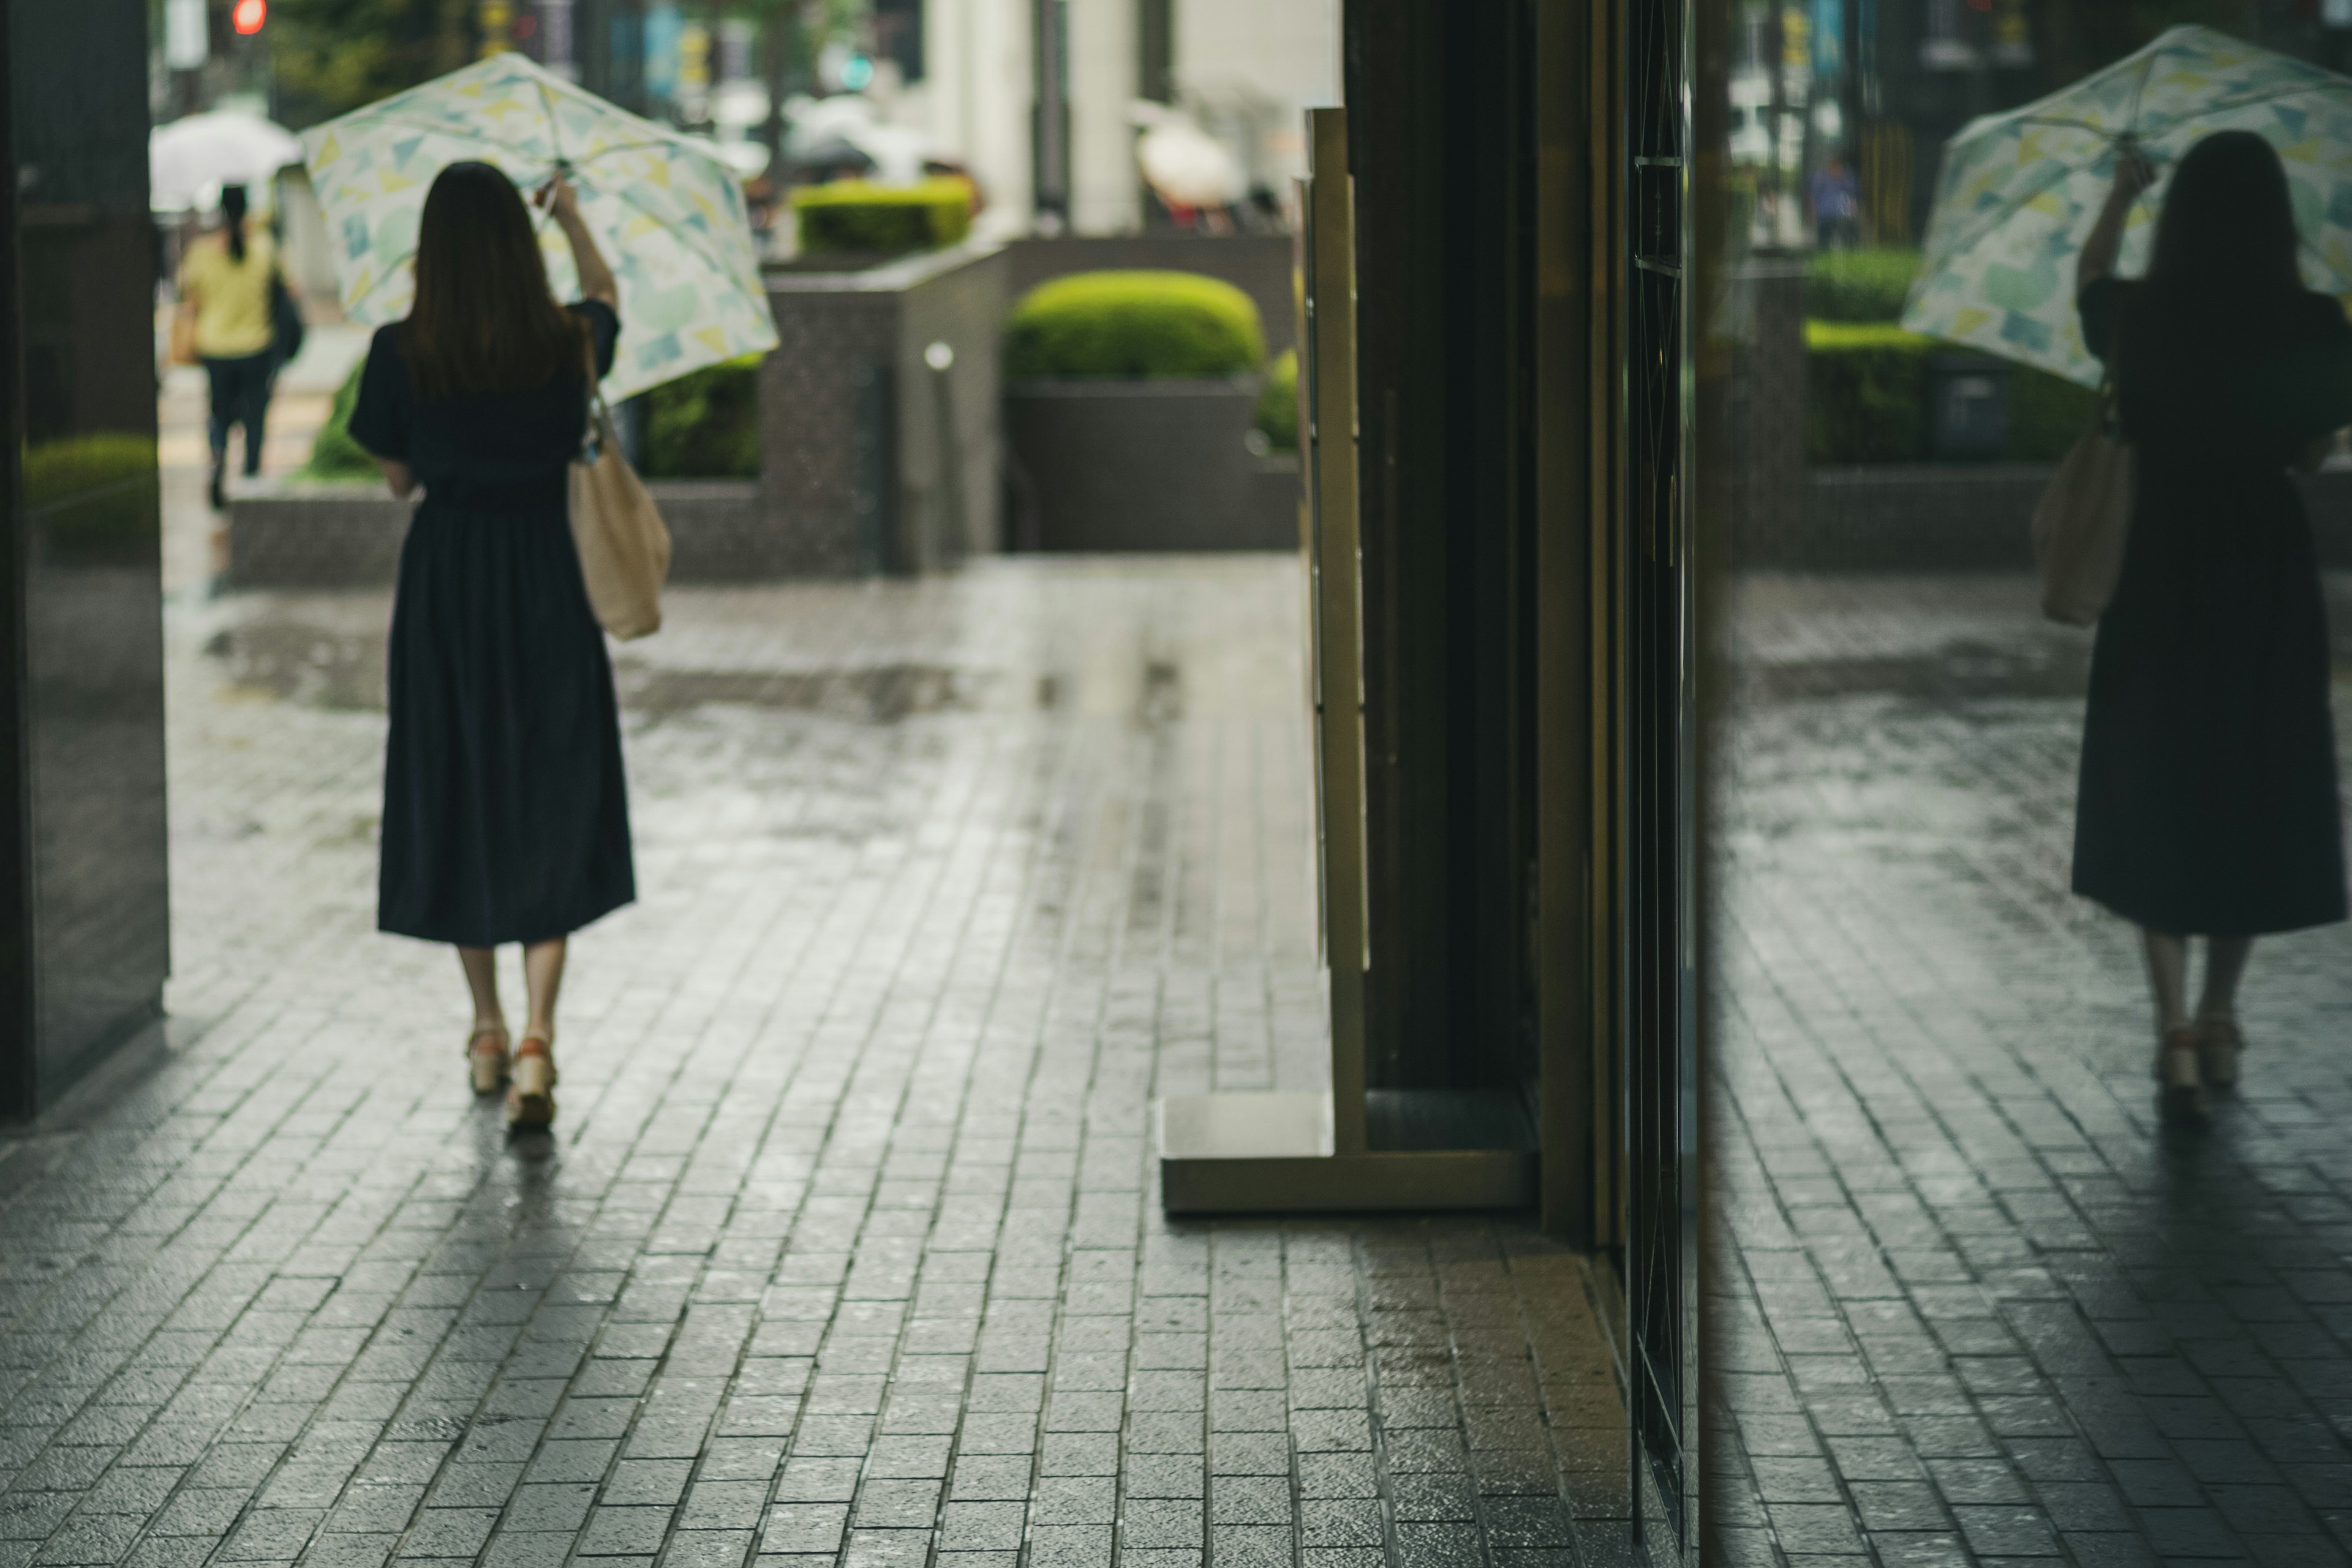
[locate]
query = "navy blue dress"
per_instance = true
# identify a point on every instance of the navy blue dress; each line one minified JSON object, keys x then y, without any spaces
{"x":2208,"y":799}
{"x":506,"y":816}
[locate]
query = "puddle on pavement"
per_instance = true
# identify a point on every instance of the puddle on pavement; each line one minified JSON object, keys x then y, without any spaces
{"x":320,"y":667}
{"x":293,"y":661}
{"x":881,"y":695}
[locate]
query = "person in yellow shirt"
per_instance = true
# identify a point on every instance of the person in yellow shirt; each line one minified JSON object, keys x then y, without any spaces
{"x":226,"y":284}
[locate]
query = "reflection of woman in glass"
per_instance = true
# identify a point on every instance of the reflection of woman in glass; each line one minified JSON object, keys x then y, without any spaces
{"x":225,"y":283}
{"x":505,"y":816}
{"x":2208,"y":802}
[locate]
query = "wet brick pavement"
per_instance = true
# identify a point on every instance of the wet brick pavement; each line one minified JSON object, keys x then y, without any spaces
{"x":847,"y":1246}
{"x":1976,"y":1307}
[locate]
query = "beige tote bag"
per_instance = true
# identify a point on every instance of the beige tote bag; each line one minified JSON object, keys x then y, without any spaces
{"x":2079,"y":525}
{"x":623,"y":544}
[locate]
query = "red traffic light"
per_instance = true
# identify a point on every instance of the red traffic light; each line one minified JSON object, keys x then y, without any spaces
{"x":248,"y":16}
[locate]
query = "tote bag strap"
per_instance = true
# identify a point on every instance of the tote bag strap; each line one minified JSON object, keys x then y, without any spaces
{"x":598,"y":418}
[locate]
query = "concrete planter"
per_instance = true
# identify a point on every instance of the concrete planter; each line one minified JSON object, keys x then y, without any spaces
{"x":1956,"y":517}
{"x":1141,"y":465}
{"x":308,"y":535}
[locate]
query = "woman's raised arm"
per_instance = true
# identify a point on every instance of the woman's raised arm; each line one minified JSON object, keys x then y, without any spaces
{"x":596,"y":281}
{"x":2133,"y":175}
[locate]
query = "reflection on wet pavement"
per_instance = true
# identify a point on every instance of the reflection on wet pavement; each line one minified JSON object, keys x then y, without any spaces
{"x":1980,"y":1307}
{"x":847,"y":1246}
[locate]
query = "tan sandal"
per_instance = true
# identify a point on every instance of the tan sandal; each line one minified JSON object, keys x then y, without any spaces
{"x":530,"y":1097}
{"x":2218,"y":1041}
{"x":487,"y":1067}
{"x":2180,"y":1089}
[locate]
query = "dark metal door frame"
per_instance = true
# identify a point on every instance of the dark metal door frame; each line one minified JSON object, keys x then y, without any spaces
{"x":1656,"y":769}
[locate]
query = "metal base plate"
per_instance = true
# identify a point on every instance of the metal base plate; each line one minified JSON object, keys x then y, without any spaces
{"x":1272,"y":1153}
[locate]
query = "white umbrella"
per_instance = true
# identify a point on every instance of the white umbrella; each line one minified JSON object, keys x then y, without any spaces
{"x":666,"y":212}
{"x":1183,"y":163}
{"x":2020,"y":190}
{"x":190,"y":159}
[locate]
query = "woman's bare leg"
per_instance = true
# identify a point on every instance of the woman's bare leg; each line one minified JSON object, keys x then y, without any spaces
{"x":2225,"y":965}
{"x":542,"y":973}
{"x":2168,"y":978}
{"x":481,"y":966}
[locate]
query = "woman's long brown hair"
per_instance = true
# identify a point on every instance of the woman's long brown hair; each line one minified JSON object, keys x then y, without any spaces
{"x":2226,"y":246}
{"x":485,"y":319}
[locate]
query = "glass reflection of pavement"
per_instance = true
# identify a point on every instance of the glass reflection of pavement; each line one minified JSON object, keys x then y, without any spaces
{"x":1983,"y":1308}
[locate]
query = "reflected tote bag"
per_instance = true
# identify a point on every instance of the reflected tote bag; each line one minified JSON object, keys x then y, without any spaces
{"x":623,"y":544}
{"x":2080,"y":522}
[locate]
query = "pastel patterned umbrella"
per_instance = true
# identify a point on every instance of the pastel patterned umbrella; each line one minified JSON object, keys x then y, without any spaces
{"x":2020,"y":191}
{"x":666,"y":211}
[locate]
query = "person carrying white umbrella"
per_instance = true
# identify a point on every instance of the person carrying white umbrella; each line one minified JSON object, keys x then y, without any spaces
{"x":506,"y":811}
{"x":229,"y":282}
{"x":2207,"y":800}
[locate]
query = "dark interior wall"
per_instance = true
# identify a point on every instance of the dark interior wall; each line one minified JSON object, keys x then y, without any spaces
{"x":1442,"y":151}
{"x":85,"y":924}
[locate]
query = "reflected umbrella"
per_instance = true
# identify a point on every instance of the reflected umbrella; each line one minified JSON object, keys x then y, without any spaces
{"x":2020,"y":190}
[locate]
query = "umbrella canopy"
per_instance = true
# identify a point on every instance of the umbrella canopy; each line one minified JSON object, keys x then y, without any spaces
{"x":667,"y":212}
{"x":2021,"y":191}
{"x":189,"y":160}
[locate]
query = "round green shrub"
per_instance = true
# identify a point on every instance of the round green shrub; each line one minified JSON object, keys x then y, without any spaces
{"x":1277,"y":405}
{"x":1156,"y":325}
{"x":860,"y":218}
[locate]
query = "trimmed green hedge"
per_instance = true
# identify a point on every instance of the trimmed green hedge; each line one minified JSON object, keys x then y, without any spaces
{"x":1277,"y":405}
{"x":705,"y":425}
{"x":1859,"y":285}
{"x":1866,"y":399}
{"x":1133,"y":324}
{"x":2047,"y":414}
{"x":333,"y":454}
{"x":59,"y":471}
{"x":96,"y":497}
{"x":1865,"y":393}
{"x":893,"y":220}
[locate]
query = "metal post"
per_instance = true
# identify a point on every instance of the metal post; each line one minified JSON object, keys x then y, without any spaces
{"x":1336,"y":562}
{"x":1050,"y":129}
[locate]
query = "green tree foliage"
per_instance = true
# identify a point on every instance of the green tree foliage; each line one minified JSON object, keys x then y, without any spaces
{"x":333,"y":56}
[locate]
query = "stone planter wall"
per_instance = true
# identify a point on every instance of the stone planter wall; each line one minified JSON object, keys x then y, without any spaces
{"x":349,"y":535}
{"x":1141,"y":465}
{"x":1953,"y":517}
{"x":872,"y":459}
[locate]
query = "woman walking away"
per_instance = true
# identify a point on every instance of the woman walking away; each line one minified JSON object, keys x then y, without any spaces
{"x":504,"y":818}
{"x":2208,"y":802}
{"x":225,"y":283}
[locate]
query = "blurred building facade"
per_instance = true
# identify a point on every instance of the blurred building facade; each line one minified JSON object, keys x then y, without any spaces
{"x":1244,"y":71}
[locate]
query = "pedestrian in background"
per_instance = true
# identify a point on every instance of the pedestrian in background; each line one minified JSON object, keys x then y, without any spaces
{"x":505,"y":810}
{"x":1836,"y":201}
{"x":2207,"y":800}
{"x":227,"y":284}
